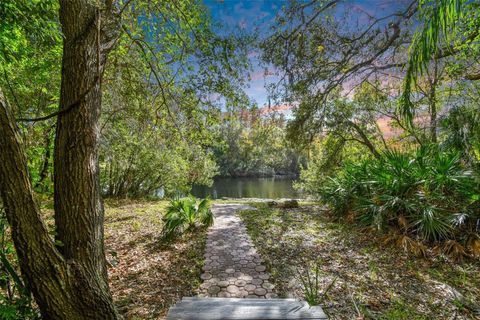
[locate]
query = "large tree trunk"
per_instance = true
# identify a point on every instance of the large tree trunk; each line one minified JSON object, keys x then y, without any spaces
{"x":62,"y":288}
{"x":88,"y":36}
{"x":68,"y":281}
{"x":44,"y":269}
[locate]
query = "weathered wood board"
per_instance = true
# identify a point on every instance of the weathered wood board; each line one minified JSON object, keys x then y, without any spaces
{"x":244,"y":309}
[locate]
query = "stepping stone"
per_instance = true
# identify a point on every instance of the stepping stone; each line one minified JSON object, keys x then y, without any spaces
{"x":250,"y":287}
{"x":206,"y":276}
{"x":260,"y":268}
{"x":231,"y":260}
{"x":246,"y":278}
{"x":232,"y":289}
{"x":268,"y":285}
{"x":240,"y":283}
{"x":214,"y":289}
{"x":213,"y":280}
{"x":223,"y":294}
{"x":260,"y":292}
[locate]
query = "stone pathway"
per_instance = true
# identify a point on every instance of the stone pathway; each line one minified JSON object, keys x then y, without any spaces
{"x":233,"y":268}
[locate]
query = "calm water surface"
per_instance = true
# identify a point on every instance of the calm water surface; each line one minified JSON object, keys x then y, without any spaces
{"x":271,"y":188}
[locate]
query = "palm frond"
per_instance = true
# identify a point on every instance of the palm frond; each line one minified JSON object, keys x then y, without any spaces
{"x":185,"y":213}
{"x":440,"y":19}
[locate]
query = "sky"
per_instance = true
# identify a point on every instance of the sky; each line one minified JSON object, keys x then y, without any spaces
{"x":248,"y":16}
{"x":258,"y":15}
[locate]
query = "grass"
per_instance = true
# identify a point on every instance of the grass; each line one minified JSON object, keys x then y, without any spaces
{"x":146,"y":274}
{"x":400,"y":310}
{"x":375,"y":281}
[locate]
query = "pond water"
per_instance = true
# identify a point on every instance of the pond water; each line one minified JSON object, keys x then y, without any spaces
{"x":271,"y":188}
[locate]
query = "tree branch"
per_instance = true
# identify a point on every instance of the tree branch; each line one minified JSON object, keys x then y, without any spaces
{"x":65,"y":110}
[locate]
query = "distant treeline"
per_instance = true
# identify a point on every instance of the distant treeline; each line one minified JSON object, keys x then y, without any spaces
{"x":254,"y":145}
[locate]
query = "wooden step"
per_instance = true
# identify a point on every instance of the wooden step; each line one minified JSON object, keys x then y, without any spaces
{"x":245,"y":309}
{"x":239,"y":300}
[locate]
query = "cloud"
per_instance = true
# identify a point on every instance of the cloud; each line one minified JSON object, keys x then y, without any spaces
{"x":281,"y":108}
{"x":257,"y":75}
{"x":242,"y":24}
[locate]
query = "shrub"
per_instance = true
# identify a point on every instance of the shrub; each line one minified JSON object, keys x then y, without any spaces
{"x":427,"y":193}
{"x":186,"y":213}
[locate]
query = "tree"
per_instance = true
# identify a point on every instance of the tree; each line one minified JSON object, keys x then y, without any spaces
{"x":317,"y":59}
{"x":442,"y":21}
{"x":253,"y":143}
{"x":67,"y":277}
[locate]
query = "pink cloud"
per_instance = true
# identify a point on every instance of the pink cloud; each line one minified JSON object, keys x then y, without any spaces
{"x":257,"y":75}
{"x":242,"y":24}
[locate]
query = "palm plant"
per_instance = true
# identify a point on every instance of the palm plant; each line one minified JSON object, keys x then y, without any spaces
{"x":342,"y":191}
{"x":185,"y":214}
{"x":427,"y":193}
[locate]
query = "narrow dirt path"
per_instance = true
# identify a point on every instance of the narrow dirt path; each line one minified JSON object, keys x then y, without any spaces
{"x":233,"y":268}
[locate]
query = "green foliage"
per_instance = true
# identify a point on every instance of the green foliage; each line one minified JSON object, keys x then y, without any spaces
{"x":26,"y":22}
{"x":149,"y":142}
{"x":461,"y":128}
{"x":157,"y":110}
{"x":326,"y":156}
{"x":428,"y":193}
{"x":159,"y":118}
{"x":30,"y":61}
{"x":184,"y":214}
{"x":399,"y":310}
{"x":322,"y":65}
{"x":252,"y":144}
{"x":447,"y":23}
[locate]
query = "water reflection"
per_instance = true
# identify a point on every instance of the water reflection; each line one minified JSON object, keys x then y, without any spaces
{"x":271,"y":188}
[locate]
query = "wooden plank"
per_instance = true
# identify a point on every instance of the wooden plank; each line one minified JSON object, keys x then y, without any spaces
{"x":216,"y":309}
{"x":217,"y":303}
{"x":238,"y":300}
{"x":243,"y":314}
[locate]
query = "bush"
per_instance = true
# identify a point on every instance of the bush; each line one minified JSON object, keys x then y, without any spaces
{"x":427,"y":193}
{"x":186,"y":213}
